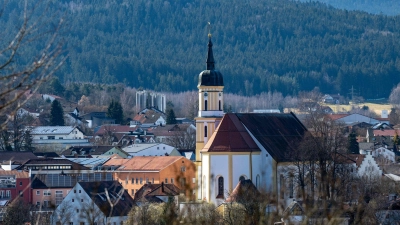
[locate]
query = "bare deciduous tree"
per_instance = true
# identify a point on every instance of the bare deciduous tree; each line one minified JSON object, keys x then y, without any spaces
{"x":16,"y":79}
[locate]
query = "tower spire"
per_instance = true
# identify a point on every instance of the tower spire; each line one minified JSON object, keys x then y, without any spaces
{"x":210,"y":56}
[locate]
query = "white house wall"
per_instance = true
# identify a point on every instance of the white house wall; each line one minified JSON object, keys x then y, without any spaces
{"x":369,"y":168}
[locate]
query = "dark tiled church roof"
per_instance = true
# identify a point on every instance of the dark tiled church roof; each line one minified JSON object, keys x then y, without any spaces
{"x":276,"y":132}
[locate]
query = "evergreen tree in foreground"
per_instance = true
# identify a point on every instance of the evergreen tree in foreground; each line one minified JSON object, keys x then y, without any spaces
{"x":116,"y":112}
{"x":56,"y":114}
{"x":352,"y":145}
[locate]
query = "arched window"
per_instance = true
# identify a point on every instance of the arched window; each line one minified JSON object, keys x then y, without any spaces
{"x":205,"y":105}
{"x":220,"y":193}
{"x":291,"y":186}
{"x":205,"y":131}
{"x":282,"y":186}
{"x":242,"y":178}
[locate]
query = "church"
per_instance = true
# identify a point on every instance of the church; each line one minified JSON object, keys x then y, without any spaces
{"x":238,"y":146}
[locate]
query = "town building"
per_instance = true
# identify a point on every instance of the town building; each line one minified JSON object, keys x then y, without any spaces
{"x":135,"y":172}
{"x":103,"y":202}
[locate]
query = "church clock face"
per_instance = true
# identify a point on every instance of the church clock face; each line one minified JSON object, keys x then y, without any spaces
{"x":205,"y":94}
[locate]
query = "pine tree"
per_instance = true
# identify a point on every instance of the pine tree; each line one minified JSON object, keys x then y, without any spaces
{"x":171,"y":118}
{"x":56,"y":114}
{"x":116,"y":112}
{"x":352,"y":144}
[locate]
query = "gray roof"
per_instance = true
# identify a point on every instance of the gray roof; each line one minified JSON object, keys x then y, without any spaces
{"x":52,"y":130}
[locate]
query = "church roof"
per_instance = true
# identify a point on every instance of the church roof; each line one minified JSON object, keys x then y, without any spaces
{"x":276,"y":132}
{"x":231,"y":136}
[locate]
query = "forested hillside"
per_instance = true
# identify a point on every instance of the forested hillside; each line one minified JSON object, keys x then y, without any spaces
{"x":387,"y":7}
{"x":259,"y":46}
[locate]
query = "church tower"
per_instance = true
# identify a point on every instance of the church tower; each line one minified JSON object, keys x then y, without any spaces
{"x":211,"y":101}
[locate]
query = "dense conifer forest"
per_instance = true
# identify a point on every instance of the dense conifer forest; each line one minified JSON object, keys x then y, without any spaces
{"x":259,"y":46}
{"x":387,"y":7}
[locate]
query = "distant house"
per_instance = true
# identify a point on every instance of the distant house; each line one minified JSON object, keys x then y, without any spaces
{"x":150,"y":117}
{"x":87,"y":151}
{"x":58,"y":135}
{"x":95,"y":119}
{"x":352,"y":118}
{"x":94,"y":203}
{"x":156,"y":193}
{"x":150,"y":149}
{"x":366,"y":165}
{"x":12,"y":160}
{"x":123,"y":135}
{"x":73,"y":118}
{"x":169,"y":133}
{"x":28,"y":111}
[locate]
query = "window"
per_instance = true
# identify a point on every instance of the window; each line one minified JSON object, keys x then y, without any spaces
{"x":37,"y":192}
{"x":60,"y":138}
{"x":74,"y":191}
{"x":172,"y":180}
{"x":158,"y":148}
{"x":141,"y":180}
{"x":205,"y":105}
{"x":77,"y":210}
{"x":194,"y":180}
{"x":73,"y":200}
{"x":1,"y":194}
{"x":126,"y":181}
{"x":147,"y":180}
{"x":137,"y":180}
{"x":38,"y":204}
{"x":242,"y":178}
{"x":47,"y":193}
{"x":183,"y":168}
{"x":166,"y":180}
{"x":82,"y":223}
{"x":133,"y":180}
{"x":220,"y":187}
{"x":205,"y":131}
{"x":59,"y":197}
{"x":8,"y":194}
{"x":51,"y":137}
{"x":20,"y":183}
{"x":81,"y":199}
{"x":132,"y":192}
{"x":79,"y":191}
{"x":71,"y":223}
{"x":291,"y":186}
{"x":152,"y":181}
{"x":20,"y":193}
{"x":219,"y":105}
{"x":46,"y":204}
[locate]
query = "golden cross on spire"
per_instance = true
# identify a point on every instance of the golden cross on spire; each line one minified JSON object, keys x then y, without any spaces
{"x":209,"y":30}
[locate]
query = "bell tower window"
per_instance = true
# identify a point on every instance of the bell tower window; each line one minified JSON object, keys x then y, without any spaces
{"x":205,"y":105}
{"x":219,"y":105}
{"x":205,"y":131}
